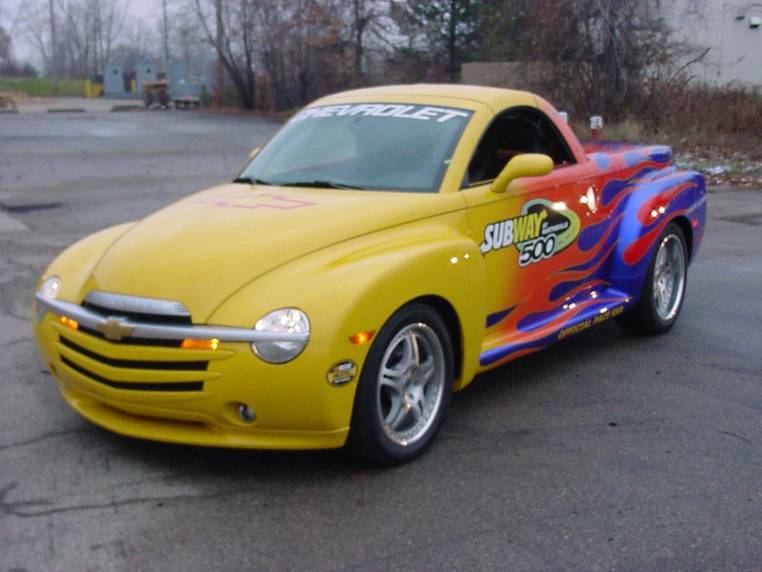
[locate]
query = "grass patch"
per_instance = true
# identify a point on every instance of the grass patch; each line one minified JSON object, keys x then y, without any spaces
{"x":629,"y":130}
{"x":733,"y":159}
{"x":43,"y":87}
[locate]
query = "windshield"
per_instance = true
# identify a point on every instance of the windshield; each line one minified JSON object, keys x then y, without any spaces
{"x":376,"y":146}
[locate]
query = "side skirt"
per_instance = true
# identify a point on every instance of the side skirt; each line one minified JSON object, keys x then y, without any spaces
{"x":553,"y":326}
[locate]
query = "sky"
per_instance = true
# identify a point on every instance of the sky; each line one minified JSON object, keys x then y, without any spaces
{"x":9,"y":16}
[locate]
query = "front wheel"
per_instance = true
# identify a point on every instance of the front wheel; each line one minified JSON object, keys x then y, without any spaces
{"x":661,"y":298}
{"x":405,"y":387}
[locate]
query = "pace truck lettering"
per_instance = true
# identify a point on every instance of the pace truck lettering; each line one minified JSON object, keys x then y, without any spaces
{"x":400,"y":111}
{"x":586,"y":324}
{"x":539,"y":232}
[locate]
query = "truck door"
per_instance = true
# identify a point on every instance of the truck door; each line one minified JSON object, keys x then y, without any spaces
{"x":528,"y":234}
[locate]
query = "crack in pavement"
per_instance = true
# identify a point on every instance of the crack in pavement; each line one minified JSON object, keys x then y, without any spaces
{"x":43,"y":437}
{"x":17,"y":508}
{"x":736,"y":436}
{"x":15,"y":342}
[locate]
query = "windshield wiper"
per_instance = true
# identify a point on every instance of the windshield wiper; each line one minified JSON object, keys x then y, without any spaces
{"x":251,"y":181}
{"x":321,"y":184}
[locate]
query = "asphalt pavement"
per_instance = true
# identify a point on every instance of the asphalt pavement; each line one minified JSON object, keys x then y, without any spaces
{"x":606,"y":452}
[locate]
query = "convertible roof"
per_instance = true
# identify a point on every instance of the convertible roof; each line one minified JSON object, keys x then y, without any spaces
{"x":494,"y":97}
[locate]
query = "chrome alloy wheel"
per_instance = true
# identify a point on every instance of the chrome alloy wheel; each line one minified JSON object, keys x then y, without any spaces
{"x":411,"y":384}
{"x":669,"y":277}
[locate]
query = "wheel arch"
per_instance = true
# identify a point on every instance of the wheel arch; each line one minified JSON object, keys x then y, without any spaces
{"x":454,"y":327}
{"x":685,"y":226}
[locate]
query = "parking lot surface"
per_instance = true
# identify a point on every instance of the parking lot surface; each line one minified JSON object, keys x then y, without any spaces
{"x":605,"y":452}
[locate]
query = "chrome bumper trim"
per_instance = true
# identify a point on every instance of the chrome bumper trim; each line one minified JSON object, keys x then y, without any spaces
{"x":98,"y":322}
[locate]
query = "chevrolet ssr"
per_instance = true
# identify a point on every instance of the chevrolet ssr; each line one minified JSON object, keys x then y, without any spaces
{"x":384,"y":247}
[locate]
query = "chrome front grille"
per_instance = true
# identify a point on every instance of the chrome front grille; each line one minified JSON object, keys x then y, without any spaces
{"x":138,"y":308}
{"x":116,"y":324}
{"x":133,"y":340}
{"x":129,"y":342}
{"x":108,"y":354}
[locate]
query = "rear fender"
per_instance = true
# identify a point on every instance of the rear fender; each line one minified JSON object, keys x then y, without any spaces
{"x":652,"y":203}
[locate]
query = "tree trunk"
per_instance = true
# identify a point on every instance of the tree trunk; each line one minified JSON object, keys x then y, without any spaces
{"x":166,"y":37}
{"x":53,"y":48}
{"x":452,"y":46}
{"x":359,"y":23}
{"x":220,"y":48}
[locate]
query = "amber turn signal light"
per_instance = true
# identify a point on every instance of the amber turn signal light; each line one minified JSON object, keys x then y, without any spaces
{"x":69,"y":322}
{"x":191,"y":344}
{"x":362,"y":337}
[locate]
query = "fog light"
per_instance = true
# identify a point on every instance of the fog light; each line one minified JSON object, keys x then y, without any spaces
{"x":246,"y":413}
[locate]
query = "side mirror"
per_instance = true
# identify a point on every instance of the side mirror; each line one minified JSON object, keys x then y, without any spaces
{"x":524,"y":165}
{"x":254,"y":152}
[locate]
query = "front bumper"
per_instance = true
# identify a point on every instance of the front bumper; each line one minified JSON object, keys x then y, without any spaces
{"x":165,"y":393}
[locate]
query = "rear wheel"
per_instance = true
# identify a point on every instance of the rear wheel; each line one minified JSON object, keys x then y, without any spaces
{"x":405,"y":387}
{"x":661,"y":298}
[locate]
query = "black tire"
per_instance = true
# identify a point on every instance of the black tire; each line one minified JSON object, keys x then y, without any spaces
{"x":368,"y":437}
{"x":644,"y":317}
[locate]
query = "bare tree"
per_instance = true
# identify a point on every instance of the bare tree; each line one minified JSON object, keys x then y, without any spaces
{"x":165,"y":32}
{"x":108,"y":19}
{"x":137,"y":42}
{"x":364,"y":15}
{"x":6,"y":51}
{"x":74,"y":37}
{"x":186,"y":37}
{"x":450,"y":29}
{"x":598,"y":54}
{"x":234,"y":41}
{"x":53,"y":45}
{"x":219,"y":44}
{"x":35,"y":26}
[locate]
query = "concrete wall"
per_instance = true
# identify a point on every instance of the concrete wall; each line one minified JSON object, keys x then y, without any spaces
{"x":735,"y":48}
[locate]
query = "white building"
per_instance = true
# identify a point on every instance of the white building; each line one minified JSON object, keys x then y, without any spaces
{"x":732,"y":30}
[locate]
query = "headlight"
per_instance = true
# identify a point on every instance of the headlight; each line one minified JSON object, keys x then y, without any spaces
{"x":50,"y":288}
{"x":283,"y":321}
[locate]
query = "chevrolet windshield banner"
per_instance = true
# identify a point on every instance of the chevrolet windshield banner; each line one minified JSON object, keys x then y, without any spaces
{"x":397,"y":110}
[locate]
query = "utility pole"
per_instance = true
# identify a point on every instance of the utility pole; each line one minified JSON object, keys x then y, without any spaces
{"x":53,"y":48}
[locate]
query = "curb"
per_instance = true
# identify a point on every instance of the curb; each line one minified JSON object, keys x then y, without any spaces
{"x":118,"y":108}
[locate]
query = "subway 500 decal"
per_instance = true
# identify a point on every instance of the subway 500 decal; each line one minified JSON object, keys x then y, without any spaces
{"x":539,"y":232}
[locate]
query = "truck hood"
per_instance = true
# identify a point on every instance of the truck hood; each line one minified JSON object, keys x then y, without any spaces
{"x":202,"y":249}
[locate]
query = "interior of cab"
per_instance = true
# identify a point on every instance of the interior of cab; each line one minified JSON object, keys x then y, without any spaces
{"x":516,"y":131}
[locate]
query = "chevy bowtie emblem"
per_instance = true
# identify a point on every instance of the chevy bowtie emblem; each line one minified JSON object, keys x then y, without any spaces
{"x":115,"y":328}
